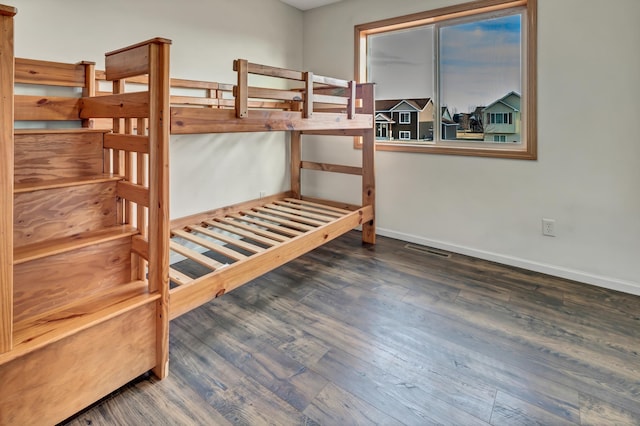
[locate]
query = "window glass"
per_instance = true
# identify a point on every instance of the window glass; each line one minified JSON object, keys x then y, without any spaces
{"x":462,"y":71}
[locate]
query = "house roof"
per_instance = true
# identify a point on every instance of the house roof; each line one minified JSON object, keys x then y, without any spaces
{"x":383,"y":118}
{"x":504,"y":100}
{"x":389,"y":104}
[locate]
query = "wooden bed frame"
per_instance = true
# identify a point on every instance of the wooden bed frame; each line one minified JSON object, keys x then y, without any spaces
{"x":96,"y":336}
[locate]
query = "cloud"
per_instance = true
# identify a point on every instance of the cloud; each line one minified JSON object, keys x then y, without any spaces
{"x":479,"y":62}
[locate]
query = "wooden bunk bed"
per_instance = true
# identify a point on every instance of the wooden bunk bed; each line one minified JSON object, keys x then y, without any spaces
{"x":252,"y":238}
{"x":70,"y":197}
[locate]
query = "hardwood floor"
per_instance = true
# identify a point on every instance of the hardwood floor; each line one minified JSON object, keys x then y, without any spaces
{"x":388,"y":335}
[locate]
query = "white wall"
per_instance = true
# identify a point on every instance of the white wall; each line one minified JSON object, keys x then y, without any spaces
{"x":587,"y":176}
{"x":207,"y":171}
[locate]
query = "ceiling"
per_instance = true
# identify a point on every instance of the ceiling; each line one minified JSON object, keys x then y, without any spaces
{"x":308,"y":4}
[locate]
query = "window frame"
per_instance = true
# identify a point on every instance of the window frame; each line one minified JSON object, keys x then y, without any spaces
{"x":402,"y":114}
{"x":529,"y":96}
{"x":401,"y":132}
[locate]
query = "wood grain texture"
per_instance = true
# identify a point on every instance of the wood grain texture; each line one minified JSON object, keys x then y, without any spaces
{"x":6,"y":175}
{"x":62,"y":212}
{"x":51,"y":108}
{"x":124,"y":105}
{"x":295,"y":154}
{"x":93,"y":367}
{"x":158,"y":212}
{"x":48,"y":283}
{"x":127,"y":63}
{"x":187,"y":120}
{"x":55,"y":155}
{"x":57,"y":246}
{"x":401,"y":337}
{"x":32,"y":71}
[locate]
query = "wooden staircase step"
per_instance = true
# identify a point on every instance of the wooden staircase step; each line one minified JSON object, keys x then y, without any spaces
{"x":64,"y":211}
{"x":74,"y":130}
{"x":51,"y":326}
{"x":45,"y":283}
{"x":47,"y":154}
{"x":20,"y":188}
{"x":62,"y":245}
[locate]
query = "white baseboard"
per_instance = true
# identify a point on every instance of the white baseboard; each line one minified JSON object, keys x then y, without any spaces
{"x":557,"y":271}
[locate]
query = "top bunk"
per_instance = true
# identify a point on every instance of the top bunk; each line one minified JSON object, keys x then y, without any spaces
{"x":295,"y":100}
{"x":308,"y":102}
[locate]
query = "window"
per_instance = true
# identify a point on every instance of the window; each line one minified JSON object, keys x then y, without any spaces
{"x":469,"y":70}
{"x":404,"y":135}
{"x":500,"y":118}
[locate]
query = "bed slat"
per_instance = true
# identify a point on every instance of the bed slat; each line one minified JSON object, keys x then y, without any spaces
{"x":241,"y":232}
{"x":229,"y":240}
{"x":279,"y":211}
{"x":302,"y":213}
{"x":195,"y":256}
{"x":178,"y":277}
{"x":303,"y":207}
{"x":310,"y":203}
{"x":283,"y":222}
{"x":278,"y":228}
{"x":235,"y":221}
{"x":232,"y":254}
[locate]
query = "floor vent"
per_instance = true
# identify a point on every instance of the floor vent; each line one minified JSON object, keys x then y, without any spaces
{"x":427,"y":250}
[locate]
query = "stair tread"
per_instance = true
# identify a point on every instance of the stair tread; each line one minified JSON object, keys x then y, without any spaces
{"x":58,"y":131}
{"x":61,"y":245}
{"x":63,"y":183}
{"x":36,"y":332}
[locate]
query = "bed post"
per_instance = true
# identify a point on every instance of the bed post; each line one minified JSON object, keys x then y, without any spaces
{"x":159,"y":119}
{"x":368,"y":164}
{"x":296,"y":191}
{"x":6,"y":176}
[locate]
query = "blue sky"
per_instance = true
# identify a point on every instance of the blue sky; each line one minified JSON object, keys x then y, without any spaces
{"x":480,"y":62}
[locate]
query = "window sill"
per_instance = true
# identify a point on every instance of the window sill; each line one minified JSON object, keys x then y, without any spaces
{"x":524,"y":153}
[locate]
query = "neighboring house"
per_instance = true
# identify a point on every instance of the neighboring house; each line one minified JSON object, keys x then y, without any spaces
{"x":404,"y":119}
{"x":411,"y":119}
{"x":470,"y":121}
{"x":502,"y":120}
{"x":449,"y":130}
{"x":383,"y":126}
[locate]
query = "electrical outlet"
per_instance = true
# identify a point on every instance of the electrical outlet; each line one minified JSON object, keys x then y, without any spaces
{"x":549,"y":227}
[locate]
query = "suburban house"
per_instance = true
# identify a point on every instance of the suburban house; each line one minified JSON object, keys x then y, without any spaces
{"x":404,"y":119}
{"x":470,"y":121}
{"x":411,"y":119}
{"x":502,"y":119}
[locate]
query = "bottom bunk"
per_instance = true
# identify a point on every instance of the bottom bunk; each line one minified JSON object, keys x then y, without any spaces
{"x":245,"y":241}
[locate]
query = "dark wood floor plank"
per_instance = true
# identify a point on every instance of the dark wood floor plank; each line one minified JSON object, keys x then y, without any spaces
{"x":562,"y":401}
{"x":335,"y":406}
{"x":596,"y":412}
{"x":511,"y":411}
{"x":474,"y":398}
{"x":294,"y":383}
{"x":403,"y":400}
{"x":361,"y":334}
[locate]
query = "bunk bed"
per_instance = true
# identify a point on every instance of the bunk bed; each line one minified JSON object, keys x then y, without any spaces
{"x":252,"y":238}
{"x":97,"y":198}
